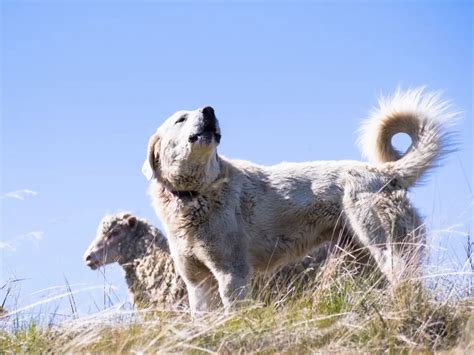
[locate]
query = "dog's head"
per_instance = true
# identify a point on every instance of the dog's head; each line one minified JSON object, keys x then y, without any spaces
{"x":182,"y":154}
{"x":114,"y":234}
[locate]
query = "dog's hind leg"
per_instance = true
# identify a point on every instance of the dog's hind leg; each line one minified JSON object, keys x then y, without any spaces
{"x":385,"y":223}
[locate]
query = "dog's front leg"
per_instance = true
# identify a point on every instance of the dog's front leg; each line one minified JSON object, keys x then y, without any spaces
{"x":228,"y":262}
{"x":199,"y":282}
{"x":233,"y":285}
{"x":199,"y":298}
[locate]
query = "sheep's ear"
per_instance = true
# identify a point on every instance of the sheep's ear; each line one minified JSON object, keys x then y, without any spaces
{"x":132,"y":221}
{"x":148,"y":168}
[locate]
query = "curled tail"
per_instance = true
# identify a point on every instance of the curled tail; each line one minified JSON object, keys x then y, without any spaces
{"x":423,"y":116}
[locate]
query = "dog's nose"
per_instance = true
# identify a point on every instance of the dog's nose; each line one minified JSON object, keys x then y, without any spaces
{"x":208,"y":113}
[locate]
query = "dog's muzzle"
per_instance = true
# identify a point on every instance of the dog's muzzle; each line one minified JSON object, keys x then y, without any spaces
{"x":208,"y":128}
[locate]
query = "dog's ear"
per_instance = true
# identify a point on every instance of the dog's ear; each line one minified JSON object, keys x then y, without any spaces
{"x":148,"y":168}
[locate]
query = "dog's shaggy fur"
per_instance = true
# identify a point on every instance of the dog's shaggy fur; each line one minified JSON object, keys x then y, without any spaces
{"x":229,"y":218}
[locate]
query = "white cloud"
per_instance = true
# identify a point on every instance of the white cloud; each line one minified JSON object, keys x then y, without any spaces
{"x":19,"y":194}
{"x":7,"y":246}
{"x":34,"y":235}
{"x":12,"y":244}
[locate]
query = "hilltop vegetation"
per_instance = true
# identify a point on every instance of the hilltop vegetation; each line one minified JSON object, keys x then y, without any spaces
{"x":339,"y":310}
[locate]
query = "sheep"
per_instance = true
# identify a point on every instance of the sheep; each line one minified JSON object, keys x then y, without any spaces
{"x":143,"y":253}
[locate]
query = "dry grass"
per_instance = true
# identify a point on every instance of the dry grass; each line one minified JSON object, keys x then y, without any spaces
{"x":338,"y":310}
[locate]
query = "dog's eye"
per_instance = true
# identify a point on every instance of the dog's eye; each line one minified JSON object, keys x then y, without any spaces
{"x":181,"y":119}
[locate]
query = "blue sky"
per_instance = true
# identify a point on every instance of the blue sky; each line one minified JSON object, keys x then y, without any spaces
{"x":85,"y":84}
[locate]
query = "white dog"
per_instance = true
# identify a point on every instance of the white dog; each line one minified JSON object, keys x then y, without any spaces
{"x":228,"y":218}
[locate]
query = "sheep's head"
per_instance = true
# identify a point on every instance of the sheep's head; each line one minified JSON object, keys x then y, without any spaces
{"x":114,"y":233}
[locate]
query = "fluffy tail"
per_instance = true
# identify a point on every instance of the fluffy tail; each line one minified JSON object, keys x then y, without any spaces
{"x":424,"y":116}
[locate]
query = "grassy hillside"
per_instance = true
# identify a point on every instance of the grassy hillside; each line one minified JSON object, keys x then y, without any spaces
{"x":339,"y":310}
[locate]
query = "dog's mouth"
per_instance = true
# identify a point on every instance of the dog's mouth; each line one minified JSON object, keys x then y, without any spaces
{"x":206,"y":135}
